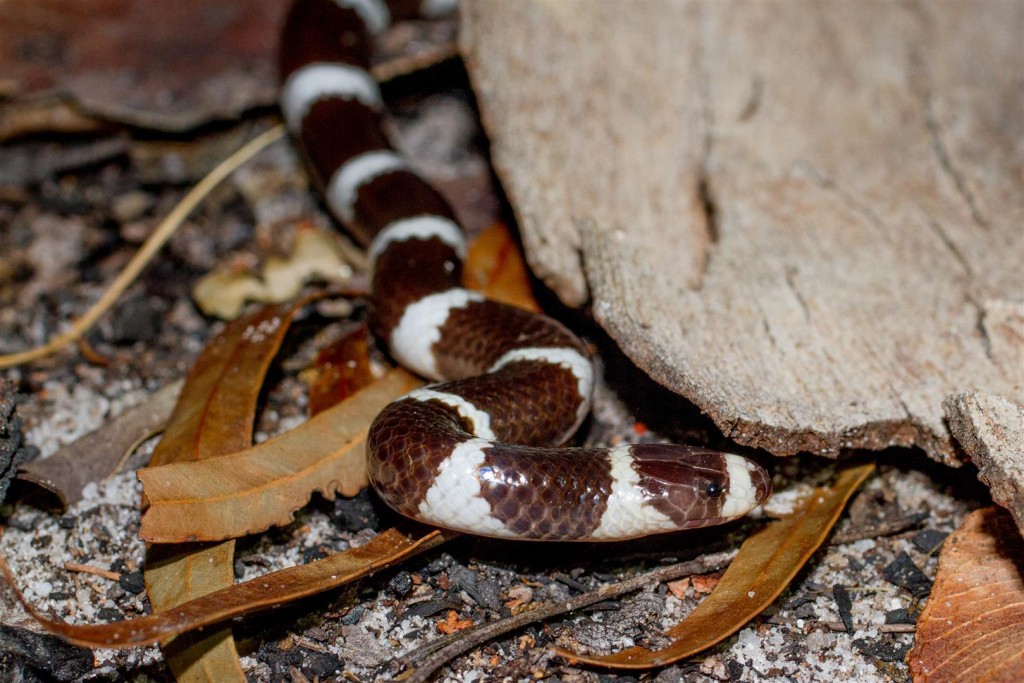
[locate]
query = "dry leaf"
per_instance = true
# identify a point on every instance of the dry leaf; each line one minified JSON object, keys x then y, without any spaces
{"x":495,"y":267}
{"x":276,"y":588}
{"x":972,"y":628}
{"x":215,"y":412}
{"x":705,"y":583}
{"x":170,"y":67}
{"x":678,"y":588}
{"x":340,"y":369}
{"x":318,"y":255}
{"x":97,"y":454}
{"x":766,"y":563}
{"x":261,"y":487}
{"x":178,"y":573}
{"x":214,"y":416}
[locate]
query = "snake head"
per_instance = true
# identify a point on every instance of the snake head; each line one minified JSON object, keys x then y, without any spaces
{"x":694,"y":487}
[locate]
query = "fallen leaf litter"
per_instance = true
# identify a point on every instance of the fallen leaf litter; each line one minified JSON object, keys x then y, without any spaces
{"x":363,"y":628}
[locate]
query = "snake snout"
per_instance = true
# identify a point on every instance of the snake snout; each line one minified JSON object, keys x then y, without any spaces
{"x":749,"y":485}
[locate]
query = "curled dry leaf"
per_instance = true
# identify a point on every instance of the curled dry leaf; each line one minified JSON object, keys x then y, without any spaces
{"x":129,"y":62}
{"x":766,"y":563}
{"x":97,"y":454}
{"x":495,"y":267}
{"x":214,"y":416}
{"x":264,"y":592}
{"x":972,"y":628}
{"x":215,"y":412}
{"x":261,"y":487}
{"x":340,"y":369}
{"x":318,"y":254}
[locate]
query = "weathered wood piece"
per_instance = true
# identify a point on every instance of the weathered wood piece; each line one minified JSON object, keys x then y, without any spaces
{"x":808,"y":218}
{"x":990,"y":429}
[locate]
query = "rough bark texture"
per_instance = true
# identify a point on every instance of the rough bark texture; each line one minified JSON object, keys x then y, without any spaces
{"x":806,"y":218}
{"x":991,"y":430}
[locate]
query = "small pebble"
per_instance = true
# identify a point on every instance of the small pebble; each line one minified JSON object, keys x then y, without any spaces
{"x":42,"y":588}
{"x":899,"y":616}
{"x":904,"y":573}
{"x":353,"y":616}
{"x":882,"y":650}
{"x":316,"y":665}
{"x":437,"y":566}
{"x":131,"y":206}
{"x":400,"y":584}
{"x":132,"y":582}
{"x":927,"y":540}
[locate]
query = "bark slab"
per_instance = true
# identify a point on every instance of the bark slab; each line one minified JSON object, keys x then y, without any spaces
{"x":991,"y":431}
{"x":807,"y":218}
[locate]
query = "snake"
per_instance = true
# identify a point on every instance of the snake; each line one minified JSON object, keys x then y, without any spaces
{"x":482,"y":449}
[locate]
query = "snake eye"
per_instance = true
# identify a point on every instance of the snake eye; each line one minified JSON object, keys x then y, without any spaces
{"x":713,"y":490}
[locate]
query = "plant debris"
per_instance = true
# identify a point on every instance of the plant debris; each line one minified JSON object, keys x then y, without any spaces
{"x":29,"y":656}
{"x":844,"y":604}
{"x":318,"y":255}
{"x":977,"y":605}
{"x":12,"y":453}
{"x":904,"y":573}
{"x":96,"y":455}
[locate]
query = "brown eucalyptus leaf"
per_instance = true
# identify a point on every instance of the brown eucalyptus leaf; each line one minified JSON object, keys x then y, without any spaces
{"x":215,"y":413}
{"x":95,"y":456}
{"x":178,"y":573}
{"x":214,"y":416}
{"x":972,"y":628}
{"x":271,"y":590}
{"x":495,"y":267}
{"x":253,"y":490}
{"x":340,"y":369}
{"x":766,"y":563}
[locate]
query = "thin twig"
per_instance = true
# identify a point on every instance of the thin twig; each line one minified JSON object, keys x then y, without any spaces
{"x":880,"y":528}
{"x":130,"y":451}
{"x":149,"y":249}
{"x":405,"y":65}
{"x":807,"y":624}
{"x":89,"y":569}
{"x":433,"y":656}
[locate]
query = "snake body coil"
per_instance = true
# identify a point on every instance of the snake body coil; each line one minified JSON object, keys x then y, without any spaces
{"x":477,"y":453}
